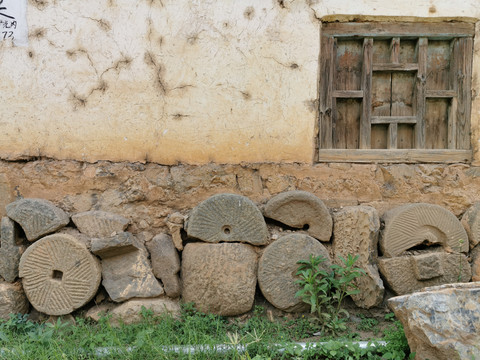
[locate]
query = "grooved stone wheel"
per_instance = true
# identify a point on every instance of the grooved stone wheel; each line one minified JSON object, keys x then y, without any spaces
{"x":59,"y":274}
{"x":228,"y":218}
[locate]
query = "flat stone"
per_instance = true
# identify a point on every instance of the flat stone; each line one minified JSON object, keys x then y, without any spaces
{"x":100,"y":224}
{"x":227,"y":218}
{"x":12,"y":300}
{"x":278,"y":266}
{"x":406,"y":274}
{"x":10,"y":251}
{"x":130,"y":312}
{"x":411,"y":225}
{"x":129,"y":275}
{"x":59,"y":274}
{"x":355,"y":232}
{"x":475,"y":256}
{"x":301,"y":209}
{"x":120,"y":244}
{"x":165,"y":263}
{"x":37,"y":217}
{"x":441,"y":322}
{"x":219,"y":278}
{"x":96,"y":312}
{"x":471,"y":223}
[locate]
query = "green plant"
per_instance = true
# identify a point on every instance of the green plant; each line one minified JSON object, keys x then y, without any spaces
{"x":324,"y":290}
{"x":368,"y":324}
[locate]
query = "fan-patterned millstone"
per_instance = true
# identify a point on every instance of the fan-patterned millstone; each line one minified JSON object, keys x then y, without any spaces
{"x":278,"y":266}
{"x":301,"y":209}
{"x":99,"y":224}
{"x":59,"y":274}
{"x":37,"y":217}
{"x":410,"y":225}
{"x":229,"y":218}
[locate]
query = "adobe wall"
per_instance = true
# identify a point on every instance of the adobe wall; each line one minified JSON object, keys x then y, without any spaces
{"x":180,"y":82}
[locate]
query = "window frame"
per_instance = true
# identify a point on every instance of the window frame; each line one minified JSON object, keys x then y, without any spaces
{"x":462,"y":33}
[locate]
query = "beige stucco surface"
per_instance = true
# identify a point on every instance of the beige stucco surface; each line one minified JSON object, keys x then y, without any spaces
{"x":178,"y":81}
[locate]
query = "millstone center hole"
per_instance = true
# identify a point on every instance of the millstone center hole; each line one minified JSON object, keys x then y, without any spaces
{"x":57,"y":275}
{"x":227,"y":230}
{"x":306,"y":227}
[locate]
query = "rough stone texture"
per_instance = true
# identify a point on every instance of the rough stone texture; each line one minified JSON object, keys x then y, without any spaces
{"x":475,"y":261}
{"x":77,"y":235}
{"x":300,"y":209}
{"x":407,"y":274}
{"x":130,"y":312}
{"x":175,"y":223}
{"x":59,"y":274}
{"x":97,"y":311}
{"x":100,"y":224}
{"x":410,"y":225}
{"x":165,"y":263}
{"x":219,"y":278}
{"x":471,"y":223}
{"x":278,"y":265}
{"x":355,"y":232}
{"x":10,"y":250}
{"x":229,"y":218}
{"x":441,"y":322}
{"x":37,"y":217}
{"x":120,"y":244}
{"x":12,"y":300}
{"x":129,"y":274}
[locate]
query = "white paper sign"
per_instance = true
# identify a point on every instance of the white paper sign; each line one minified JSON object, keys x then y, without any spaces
{"x":13,"y":21}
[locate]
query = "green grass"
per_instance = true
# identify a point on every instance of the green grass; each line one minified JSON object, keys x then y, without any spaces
{"x":23,"y":339}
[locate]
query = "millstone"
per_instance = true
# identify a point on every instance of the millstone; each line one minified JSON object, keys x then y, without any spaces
{"x":99,"y":224}
{"x":471,"y":222}
{"x":227,"y":218}
{"x":301,"y":209}
{"x":59,"y":274}
{"x":278,"y":266}
{"x":410,"y":225}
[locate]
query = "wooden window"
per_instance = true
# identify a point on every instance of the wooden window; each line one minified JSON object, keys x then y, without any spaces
{"x":395,"y":92}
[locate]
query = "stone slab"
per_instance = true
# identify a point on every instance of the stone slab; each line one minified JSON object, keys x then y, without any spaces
{"x":120,"y":244}
{"x":10,"y":251}
{"x":130,"y":312}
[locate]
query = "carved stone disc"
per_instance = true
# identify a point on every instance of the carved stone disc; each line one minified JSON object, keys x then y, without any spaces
{"x":228,"y":218}
{"x":59,"y":274}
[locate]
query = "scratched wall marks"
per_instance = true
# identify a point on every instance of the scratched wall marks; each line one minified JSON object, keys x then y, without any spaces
{"x":13,"y":21}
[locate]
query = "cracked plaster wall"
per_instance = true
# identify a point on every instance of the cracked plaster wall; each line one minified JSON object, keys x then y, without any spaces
{"x":178,"y":81}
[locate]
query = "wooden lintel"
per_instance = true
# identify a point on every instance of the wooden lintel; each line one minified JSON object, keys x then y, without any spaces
{"x":440,"y":93}
{"x":348,"y":93}
{"x":394,"y":120}
{"x":395,"y":67}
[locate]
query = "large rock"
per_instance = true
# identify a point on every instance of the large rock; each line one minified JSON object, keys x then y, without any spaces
{"x":227,"y":218}
{"x":278,"y":266}
{"x":59,"y":274}
{"x":219,"y":278}
{"x":355,"y":232}
{"x":100,"y":224}
{"x":12,"y":300}
{"x":301,"y":209}
{"x":130,"y":312}
{"x":412,"y":225}
{"x":471,"y":223}
{"x":406,"y":274}
{"x":165,"y":263}
{"x":37,"y":217}
{"x":126,"y":270}
{"x":442,"y":322}
{"x":10,"y":250}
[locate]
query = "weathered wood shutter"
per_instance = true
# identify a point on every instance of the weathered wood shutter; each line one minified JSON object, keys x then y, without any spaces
{"x":395,"y":92}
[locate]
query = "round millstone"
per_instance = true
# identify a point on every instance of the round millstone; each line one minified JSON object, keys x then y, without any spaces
{"x":411,"y":225}
{"x":303,"y":210}
{"x":278,"y":266}
{"x":227,"y":218}
{"x":59,"y":274}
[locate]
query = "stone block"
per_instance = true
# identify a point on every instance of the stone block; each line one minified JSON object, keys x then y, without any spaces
{"x":165,"y":263}
{"x":302,"y":210}
{"x":130,"y":312}
{"x":37,"y":217}
{"x":219,"y":278}
{"x":59,"y":274}
{"x":227,"y":218}
{"x":120,"y":244}
{"x":100,"y":224}
{"x":10,"y":250}
{"x":471,"y":223}
{"x":12,"y":300}
{"x":428,"y":266}
{"x":355,"y":232}
{"x":278,"y":266}
{"x":175,"y":224}
{"x":441,"y":322}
